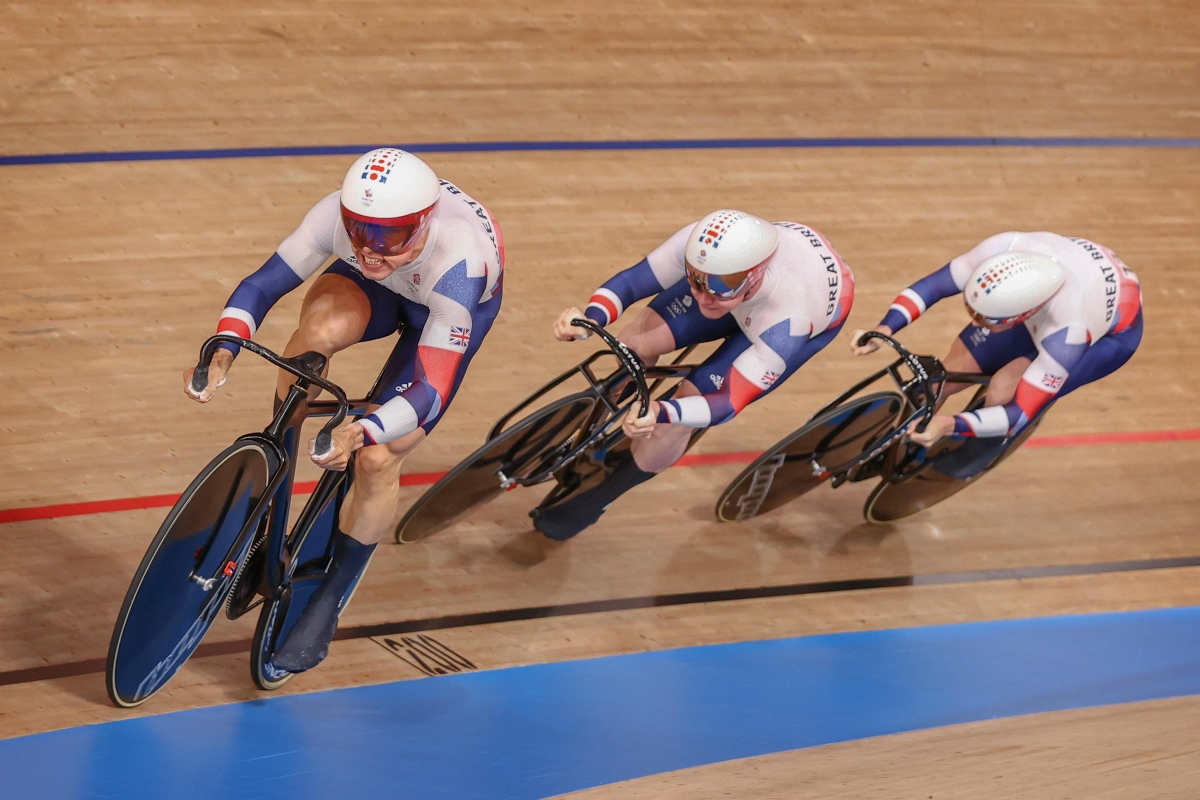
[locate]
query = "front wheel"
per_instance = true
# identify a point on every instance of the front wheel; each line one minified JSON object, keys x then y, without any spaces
{"x":805,"y":458}
{"x":188,"y":570}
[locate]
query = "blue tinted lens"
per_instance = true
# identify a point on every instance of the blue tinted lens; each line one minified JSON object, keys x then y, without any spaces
{"x":720,"y":285}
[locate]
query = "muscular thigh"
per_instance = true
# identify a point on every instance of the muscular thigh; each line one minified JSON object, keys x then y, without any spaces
{"x":680,"y":314}
{"x":334,"y":315}
{"x":989,"y":351}
{"x":369,"y":310}
{"x":710,"y":375}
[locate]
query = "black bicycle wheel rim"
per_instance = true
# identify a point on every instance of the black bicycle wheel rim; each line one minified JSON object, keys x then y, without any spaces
{"x":165,"y":615}
{"x":805,"y":458}
{"x":518,"y":451}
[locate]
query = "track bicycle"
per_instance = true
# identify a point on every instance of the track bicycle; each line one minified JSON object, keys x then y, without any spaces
{"x":574,"y":441}
{"x":226,"y":541}
{"x":858,"y":437}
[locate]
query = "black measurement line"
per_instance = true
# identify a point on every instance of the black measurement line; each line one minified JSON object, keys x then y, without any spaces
{"x":96,"y":665}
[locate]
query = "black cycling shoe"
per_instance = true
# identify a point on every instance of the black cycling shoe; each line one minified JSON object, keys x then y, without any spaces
{"x":308,"y":643}
{"x":583,"y":508}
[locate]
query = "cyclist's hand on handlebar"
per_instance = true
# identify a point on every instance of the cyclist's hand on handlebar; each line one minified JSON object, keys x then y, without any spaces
{"x":871,"y":345}
{"x":346,"y":438}
{"x":941,"y":426}
{"x":640,"y":427}
{"x":217,"y":371}
{"x":564,"y":331}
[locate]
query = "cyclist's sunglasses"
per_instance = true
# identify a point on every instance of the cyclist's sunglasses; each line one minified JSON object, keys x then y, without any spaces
{"x":723,"y":287}
{"x":394,"y":238}
{"x":991,"y":322}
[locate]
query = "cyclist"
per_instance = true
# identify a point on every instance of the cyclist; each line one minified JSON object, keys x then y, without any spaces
{"x":410,"y":251}
{"x":775,"y":293}
{"x":1049,"y":314}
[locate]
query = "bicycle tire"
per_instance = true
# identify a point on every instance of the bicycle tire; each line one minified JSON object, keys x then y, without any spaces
{"x":306,"y":571}
{"x":889,"y":502}
{"x":804,"y":459}
{"x":166,"y":612}
{"x":521,"y":450}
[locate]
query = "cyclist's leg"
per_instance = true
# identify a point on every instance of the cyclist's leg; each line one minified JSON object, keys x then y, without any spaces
{"x":372,"y":505}
{"x":651,"y":456}
{"x":1006,"y":355}
{"x":671,"y":321}
{"x":342,"y":308}
{"x":979,"y":350}
{"x":1101,"y":359}
{"x":668,"y":442}
{"x":1104,"y":357}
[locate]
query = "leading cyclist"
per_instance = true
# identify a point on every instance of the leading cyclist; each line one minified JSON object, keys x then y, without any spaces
{"x":1049,"y":314}
{"x":774,"y":293}
{"x":409,"y":251}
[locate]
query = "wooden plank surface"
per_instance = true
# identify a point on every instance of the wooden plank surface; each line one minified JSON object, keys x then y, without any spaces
{"x":1138,"y":750}
{"x":114,"y":273}
{"x":192,"y":74}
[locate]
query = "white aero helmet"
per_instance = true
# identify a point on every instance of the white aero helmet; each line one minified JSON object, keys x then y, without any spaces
{"x":387,"y":200}
{"x":724,"y":247}
{"x":1012,"y":287}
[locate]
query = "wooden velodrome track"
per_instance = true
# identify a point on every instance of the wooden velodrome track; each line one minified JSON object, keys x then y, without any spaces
{"x":113,"y":273}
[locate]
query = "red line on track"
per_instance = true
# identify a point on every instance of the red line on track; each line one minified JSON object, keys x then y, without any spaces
{"x":702,"y":460}
{"x":1128,"y":437}
{"x":158,"y":501}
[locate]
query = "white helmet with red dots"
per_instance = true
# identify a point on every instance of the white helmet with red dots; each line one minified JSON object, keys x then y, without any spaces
{"x":1010,"y":288}
{"x":724,"y":248}
{"x":388,"y":198}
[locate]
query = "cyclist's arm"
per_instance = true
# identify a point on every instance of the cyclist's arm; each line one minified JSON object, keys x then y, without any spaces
{"x":946,"y":282}
{"x":1058,"y":354}
{"x":443,"y":344}
{"x":657,"y":271}
{"x":298,"y":257}
{"x":752,"y":375}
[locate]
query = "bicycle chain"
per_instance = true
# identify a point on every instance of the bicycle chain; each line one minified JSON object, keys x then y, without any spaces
{"x":239,"y":575}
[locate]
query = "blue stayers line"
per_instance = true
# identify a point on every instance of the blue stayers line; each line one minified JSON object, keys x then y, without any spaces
{"x":527,"y":733}
{"x":632,"y":144}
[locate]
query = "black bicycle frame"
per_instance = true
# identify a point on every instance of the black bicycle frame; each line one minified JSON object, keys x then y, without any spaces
{"x":929,"y":377}
{"x":281,"y":438}
{"x":646,"y":380}
{"x":591,"y":432}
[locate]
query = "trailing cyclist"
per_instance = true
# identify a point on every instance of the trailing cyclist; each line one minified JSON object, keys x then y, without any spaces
{"x":1049,"y":314}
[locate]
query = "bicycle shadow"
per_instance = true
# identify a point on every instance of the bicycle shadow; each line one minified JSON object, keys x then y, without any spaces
{"x":529,"y":549}
{"x":828,"y":527}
